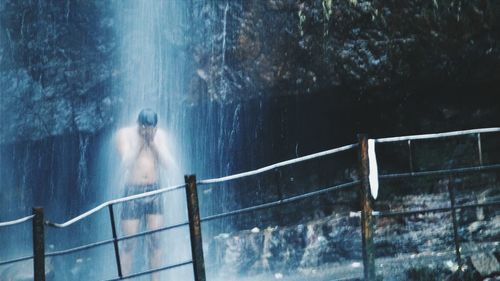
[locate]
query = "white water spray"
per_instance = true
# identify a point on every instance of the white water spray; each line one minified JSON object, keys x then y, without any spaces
{"x":223,"y":82}
{"x":152,"y":66}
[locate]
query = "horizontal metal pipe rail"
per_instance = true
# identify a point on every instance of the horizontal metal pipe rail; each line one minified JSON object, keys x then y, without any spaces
{"x":18,"y":221}
{"x":79,"y":248}
{"x":11,"y":223}
{"x":147,"y":232}
{"x":438,"y":135}
{"x":151,"y":271}
{"x":280,"y":202}
{"x":354,"y":278}
{"x":109,"y":241}
{"x":16,"y":260}
{"x":433,"y":210}
{"x":112,"y":202}
{"x":441,"y":172}
{"x":277,"y":165}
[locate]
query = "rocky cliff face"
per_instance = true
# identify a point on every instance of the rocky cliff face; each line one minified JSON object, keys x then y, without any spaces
{"x":399,"y":67}
{"x":56,"y":69}
{"x":375,"y":49}
{"x":431,"y":61}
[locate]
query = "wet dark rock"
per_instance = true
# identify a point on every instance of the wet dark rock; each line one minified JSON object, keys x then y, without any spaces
{"x":363,"y":45}
{"x":285,"y":249}
{"x":467,"y":273}
{"x":412,"y":247}
{"x":55,"y":58}
{"x":486,"y":264}
{"x":426,"y":273}
{"x":410,"y":66}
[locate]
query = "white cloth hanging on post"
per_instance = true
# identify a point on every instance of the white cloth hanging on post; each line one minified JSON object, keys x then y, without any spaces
{"x":373,"y":169}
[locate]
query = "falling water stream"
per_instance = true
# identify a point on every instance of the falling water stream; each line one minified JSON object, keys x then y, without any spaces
{"x":152,"y":59}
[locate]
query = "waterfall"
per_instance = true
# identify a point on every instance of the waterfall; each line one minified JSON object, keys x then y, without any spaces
{"x":70,"y":172}
{"x":152,"y":63}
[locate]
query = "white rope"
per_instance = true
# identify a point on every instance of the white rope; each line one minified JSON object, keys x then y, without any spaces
{"x":438,"y":135}
{"x":21,"y":220}
{"x":115,"y":201}
{"x":280,"y":164}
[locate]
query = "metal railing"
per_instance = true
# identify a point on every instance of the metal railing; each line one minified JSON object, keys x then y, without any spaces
{"x":115,"y":239}
{"x":453,"y":208}
{"x":38,"y":236}
{"x":191,"y":186}
{"x":18,"y":221}
{"x":367,"y":211}
{"x":11,"y":223}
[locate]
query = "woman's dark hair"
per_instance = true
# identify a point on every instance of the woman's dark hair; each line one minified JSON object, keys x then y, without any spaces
{"x":147,"y":117}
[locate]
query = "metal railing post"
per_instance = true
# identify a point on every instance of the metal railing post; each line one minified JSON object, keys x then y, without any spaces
{"x":366,"y":211}
{"x":195,"y":228}
{"x":38,"y":245}
{"x":454,"y":221}
{"x":279,"y":190}
{"x":479,"y":149}
{"x":410,"y":154}
{"x":115,"y":241}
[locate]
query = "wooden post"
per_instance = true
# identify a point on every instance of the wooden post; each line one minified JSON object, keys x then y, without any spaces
{"x":115,"y":241}
{"x":195,"y":228}
{"x":38,"y":245}
{"x":366,"y":211}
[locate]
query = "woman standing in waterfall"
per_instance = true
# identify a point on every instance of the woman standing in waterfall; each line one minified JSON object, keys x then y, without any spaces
{"x":144,"y":150}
